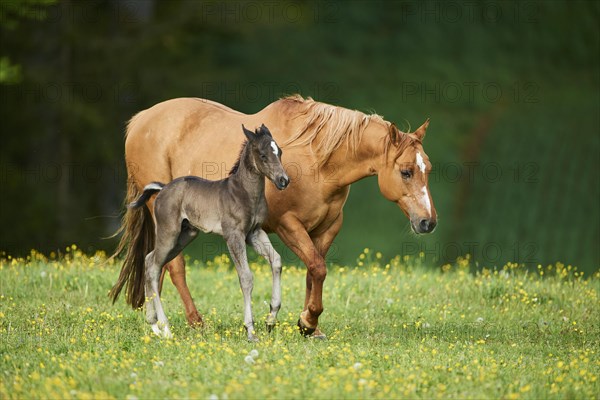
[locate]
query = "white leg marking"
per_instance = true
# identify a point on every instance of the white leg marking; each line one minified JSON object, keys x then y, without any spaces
{"x":167,"y":332}
{"x":156,"y":330}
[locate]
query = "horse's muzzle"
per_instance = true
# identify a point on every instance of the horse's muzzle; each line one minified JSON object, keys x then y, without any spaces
{"x":425,"y":225}
{"x":282,"y":182}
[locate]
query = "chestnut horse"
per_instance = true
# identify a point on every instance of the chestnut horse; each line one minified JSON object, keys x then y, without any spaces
{"x":327,"y":148}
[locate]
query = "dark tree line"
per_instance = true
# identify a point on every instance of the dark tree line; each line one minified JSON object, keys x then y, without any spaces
{"x":502,"y":82}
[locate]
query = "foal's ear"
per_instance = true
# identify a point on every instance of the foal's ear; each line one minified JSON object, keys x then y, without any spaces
{"x":266,"y":131}
{"x":420,"y":133}
{"x":249,"y":134}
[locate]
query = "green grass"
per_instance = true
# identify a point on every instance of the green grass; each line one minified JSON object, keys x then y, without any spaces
{"x":395,"y":331}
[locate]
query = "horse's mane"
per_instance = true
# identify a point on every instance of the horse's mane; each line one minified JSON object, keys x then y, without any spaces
{"x":236,"y":166}
{"x":337,"y":125}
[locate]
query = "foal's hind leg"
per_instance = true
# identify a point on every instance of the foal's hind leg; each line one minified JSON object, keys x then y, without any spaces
{"x":171,"y":238}
{"x":261,"y":243}
{"x":237,"y":249}
{"x":155,"y":315}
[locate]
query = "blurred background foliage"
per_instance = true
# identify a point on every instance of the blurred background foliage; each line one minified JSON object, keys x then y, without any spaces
{"x":512,"y":90}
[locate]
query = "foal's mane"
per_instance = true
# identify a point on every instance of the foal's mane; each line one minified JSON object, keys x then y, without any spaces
{"x":236,"y":166}
{"x":337,"y":125}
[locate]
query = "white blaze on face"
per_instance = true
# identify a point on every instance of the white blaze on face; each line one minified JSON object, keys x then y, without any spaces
{"x":275,"y":149}
{"x":420,"y":162}
{"x":425,"y":200}
{"x":425,"y":195}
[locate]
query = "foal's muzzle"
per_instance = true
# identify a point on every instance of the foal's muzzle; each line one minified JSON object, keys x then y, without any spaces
{"x":282,"y":182}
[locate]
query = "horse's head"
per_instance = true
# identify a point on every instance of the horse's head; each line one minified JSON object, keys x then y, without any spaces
{"x":266,"y":156}
{"x":403,"y":177}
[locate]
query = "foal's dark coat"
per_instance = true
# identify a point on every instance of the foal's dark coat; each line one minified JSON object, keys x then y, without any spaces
{"x":234,"y":207}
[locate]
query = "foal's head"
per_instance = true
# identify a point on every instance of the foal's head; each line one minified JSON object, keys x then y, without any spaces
{"x":265,"y":155}
{"x":404,"y":178}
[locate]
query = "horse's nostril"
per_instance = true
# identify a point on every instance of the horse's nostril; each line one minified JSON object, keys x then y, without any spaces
{"x":427,"y":225}
{"x":284,"y":181}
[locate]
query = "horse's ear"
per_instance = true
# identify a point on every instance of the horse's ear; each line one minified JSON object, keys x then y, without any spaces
{"x":420,"y":133}
{"x":394,"y":134}
{"x":249,"y":134}
{"x":265,"y":131}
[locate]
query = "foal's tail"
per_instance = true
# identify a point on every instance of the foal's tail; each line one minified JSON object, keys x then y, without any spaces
{"x":137,"y":240}
{"x":149,"y":190}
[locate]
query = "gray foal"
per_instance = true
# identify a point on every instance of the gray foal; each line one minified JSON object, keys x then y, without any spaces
{"x":234,"y":207}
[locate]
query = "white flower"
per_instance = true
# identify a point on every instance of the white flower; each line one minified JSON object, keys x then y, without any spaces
{"x":480,"y":319}
{"x":213,"y":397}
{"x":426,"y":325}
{"x":357,"y":366}
{"x":43,"y":274}
{"x":249,"y":360}
{"x":362,"y":382}
{"x":254,"y":353}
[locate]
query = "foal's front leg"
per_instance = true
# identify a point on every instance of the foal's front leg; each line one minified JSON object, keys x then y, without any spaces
{"x":237,"y":249}
{"x":261,"y":243}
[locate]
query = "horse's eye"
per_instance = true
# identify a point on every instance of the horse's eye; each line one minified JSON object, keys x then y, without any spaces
{"x":263,"y":157}
{"x":406,"y":173}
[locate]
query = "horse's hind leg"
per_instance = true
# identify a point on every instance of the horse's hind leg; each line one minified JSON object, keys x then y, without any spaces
{"x":176,"y":268}
{"x":261,"y":243}
{"x":237,"y":249}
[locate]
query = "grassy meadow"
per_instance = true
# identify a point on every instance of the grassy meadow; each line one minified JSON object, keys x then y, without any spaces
{"x":395,"y":330}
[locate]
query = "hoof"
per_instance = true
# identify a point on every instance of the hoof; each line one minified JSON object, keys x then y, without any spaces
{"x":162,"y":331}
{"x":270,"y":323}
{"x":195,"y":320}
{"x":305,"y":330}
{"x":318,"y":335}
{"x":252,"y":338}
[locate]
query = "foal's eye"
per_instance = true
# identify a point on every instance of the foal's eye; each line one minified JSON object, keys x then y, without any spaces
{"x":406,"y":173}
{"x":263,"y":157}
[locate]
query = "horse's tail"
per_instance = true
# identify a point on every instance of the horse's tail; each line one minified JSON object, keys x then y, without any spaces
{"x":136,"y":242}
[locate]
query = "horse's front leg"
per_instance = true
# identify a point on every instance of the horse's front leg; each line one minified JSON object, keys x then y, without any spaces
{"x":259,"y":240}
{"x":322,"y":243}
{"x":237,"y":248}
{"x":294,"y":235}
